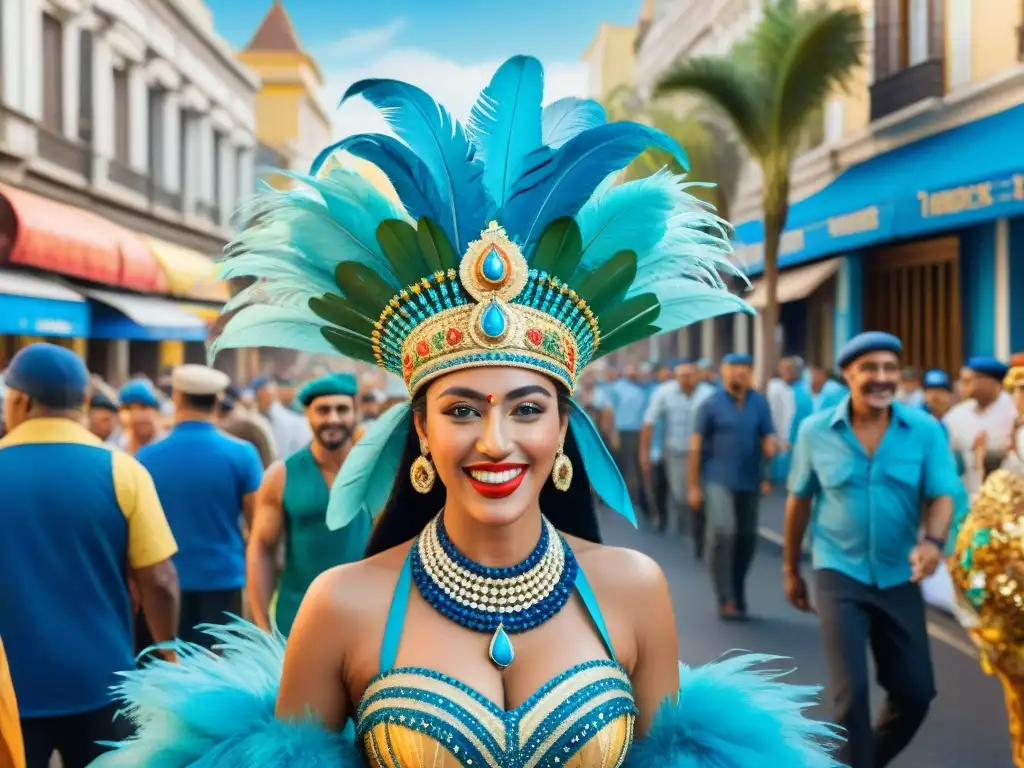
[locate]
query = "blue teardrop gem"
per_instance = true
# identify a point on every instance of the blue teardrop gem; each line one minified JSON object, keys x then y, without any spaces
{"x":493,"y":267}
{"x":493,"y":321}
{"x":501,"y":651}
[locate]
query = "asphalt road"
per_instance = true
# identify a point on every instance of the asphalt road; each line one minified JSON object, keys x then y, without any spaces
{"x":966,"y":727}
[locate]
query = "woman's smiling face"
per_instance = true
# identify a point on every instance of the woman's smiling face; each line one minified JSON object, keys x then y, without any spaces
{"x":493,"y":434}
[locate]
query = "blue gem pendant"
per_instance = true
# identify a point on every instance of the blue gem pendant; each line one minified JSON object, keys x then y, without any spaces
{"x":501,"y":651}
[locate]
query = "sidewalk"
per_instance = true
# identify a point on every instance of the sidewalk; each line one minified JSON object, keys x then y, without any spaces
{"x":942,"y":626}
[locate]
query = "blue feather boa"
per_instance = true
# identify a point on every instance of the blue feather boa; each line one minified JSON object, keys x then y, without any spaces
{"x":210,"y":711}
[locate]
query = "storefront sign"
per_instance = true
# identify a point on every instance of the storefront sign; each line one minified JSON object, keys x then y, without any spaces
{"x":856,"y":223}
{"x":971,"y":197}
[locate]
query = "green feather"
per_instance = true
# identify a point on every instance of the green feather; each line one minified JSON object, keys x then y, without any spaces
{"x":437,"y":251}
{"x":624,"y":338}
{"x":639,"y":310}
{"x":401,"y":248}
{"x":348,"y":344}
{"x":337,"y":311}
{"x":367,"y":290}
{"x":559,"y":249}
{"x":607,"y":285}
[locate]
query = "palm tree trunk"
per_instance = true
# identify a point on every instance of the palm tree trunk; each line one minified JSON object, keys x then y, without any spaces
{"x":776,"y":209}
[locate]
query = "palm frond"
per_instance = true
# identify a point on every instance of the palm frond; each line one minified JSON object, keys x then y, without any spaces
{"x":769,"y":41}
{"x":731,"y":87}
{"x":821,"y":58}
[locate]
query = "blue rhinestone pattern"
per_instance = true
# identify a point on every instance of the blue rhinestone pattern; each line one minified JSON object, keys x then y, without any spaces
{"x":405,"y":706}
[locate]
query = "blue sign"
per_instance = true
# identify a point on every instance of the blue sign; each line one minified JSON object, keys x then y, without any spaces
{"x":32,"y":316}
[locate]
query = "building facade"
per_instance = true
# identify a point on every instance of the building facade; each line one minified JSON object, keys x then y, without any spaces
{"x":909,"y":216}
{"x":126,"y":139}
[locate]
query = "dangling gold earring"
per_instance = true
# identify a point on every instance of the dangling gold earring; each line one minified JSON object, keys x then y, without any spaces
{"x":422,"y":473}
{"x":561,"y":471}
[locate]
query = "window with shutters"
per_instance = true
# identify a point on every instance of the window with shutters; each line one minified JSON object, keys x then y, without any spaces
{"x":122,"y":118}
{"x":53,"y":74}
{"x":909,"y":54}
{"x":157,"y":172}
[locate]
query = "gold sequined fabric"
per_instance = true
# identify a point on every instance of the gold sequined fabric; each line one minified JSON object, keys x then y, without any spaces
{"x":416,"y":718}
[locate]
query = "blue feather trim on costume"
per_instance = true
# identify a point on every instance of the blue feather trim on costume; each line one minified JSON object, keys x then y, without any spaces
{"x":217,"y":711}
{"x":731,"y":715}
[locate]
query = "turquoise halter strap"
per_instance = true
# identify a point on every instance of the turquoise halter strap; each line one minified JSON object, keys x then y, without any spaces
{"x":400,"y":603}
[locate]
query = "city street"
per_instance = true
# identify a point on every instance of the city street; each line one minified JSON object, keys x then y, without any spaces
{"x":966,"y":727}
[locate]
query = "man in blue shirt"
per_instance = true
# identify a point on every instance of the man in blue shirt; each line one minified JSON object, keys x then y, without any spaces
{"x":207,"y":481}
{"x":861,"y":473}
{"x":732,"y":437}
{"x":627,"y":401}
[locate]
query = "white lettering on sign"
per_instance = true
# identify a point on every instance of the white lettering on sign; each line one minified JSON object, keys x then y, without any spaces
{"x":53,"y":327}
{"x":792,"y":241}
{"x":865,"y":220}
{"x":946,"y":202}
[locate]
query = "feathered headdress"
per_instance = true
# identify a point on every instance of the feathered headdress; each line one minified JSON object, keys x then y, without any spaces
{"x":513,"y":245}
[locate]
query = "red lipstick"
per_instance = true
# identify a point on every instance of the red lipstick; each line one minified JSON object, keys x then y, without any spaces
{"x":496,"y":490}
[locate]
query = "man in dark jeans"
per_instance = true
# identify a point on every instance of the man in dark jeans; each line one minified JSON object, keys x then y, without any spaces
{"x":866,"y":466}
{"x":732,"y":439}
{"x":77,"y":518}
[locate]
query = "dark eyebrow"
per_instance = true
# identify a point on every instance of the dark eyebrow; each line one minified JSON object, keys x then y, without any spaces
{"x":515,"y":394}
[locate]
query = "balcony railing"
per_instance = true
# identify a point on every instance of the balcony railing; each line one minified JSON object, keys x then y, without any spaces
{"x":208,"y":210}
{"x":166,"y":198}
{"x":67,"y":153}
{"x":125,"y":177}
{"x":907,"y":87}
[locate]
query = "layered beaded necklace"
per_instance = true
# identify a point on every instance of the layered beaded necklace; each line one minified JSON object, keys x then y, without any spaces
{"x":499,"y":600}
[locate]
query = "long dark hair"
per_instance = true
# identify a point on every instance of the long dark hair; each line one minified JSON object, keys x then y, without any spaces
{"x":408,"y":512}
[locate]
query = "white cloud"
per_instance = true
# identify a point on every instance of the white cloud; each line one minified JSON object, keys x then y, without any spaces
{"x":454,"y":85}
{"x":363,"y":42}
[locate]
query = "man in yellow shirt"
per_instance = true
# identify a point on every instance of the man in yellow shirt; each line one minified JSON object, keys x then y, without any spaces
{"x":12,"y":750}
{"x":78,"y":519}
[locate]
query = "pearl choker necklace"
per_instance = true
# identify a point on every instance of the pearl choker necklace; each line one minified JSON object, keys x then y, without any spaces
{"x":498,"y":600}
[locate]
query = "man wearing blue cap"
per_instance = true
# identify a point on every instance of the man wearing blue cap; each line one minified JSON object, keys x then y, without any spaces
{"x":865,"y":467}
{"x":290,"y":430}
{"x":293,"y":506}
{"x":732,"y":439}
{"x":938,"y":393}
{"x":981,"y":425}
{"x":77,"y":518}
{"x":141,"y":406}
{"x":207,"y":482}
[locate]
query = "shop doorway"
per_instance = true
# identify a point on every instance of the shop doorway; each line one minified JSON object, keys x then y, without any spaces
{"x":913,"y":291}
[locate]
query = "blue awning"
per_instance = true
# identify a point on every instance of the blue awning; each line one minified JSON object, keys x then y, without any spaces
{"x":964,"y":176}
{"x":142,"y":318}
{"x":31,"y":305}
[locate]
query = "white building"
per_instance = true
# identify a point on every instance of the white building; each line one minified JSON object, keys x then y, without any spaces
{"x":135,"y":106}
{"x":136,"y":113}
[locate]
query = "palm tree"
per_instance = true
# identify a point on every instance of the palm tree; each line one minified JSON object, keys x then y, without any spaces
{"x":713,"y":156}
{"x":771,"y":85}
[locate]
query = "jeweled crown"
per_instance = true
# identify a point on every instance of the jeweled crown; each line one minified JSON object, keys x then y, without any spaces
{"x":494,"y":310}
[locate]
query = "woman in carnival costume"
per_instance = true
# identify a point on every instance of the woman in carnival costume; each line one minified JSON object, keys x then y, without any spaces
{"x":487,"y":625}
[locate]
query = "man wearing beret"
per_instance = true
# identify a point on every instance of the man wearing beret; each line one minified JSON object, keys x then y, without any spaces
{"x":207,"y":481}
{"x":732,"y":441}
{"x":293,"y":506}
{"x":980,"y":426}
{"x":865,"y":467}
{"x":77,"y":519}
{"x":103,"y":419}
{"x":140,"y":409}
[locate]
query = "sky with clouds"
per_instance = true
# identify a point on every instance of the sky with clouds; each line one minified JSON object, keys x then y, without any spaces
{"x":449,"y":48}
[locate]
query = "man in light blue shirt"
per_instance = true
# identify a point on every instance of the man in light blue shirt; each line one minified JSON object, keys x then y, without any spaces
{"x":861,"y":474}
{"x":627,"y":400}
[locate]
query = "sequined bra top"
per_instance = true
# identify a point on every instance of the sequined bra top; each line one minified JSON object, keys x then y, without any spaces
{"x":410,"y":717}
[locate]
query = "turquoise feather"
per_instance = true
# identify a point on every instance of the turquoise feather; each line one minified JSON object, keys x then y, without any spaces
{"x":560,"y":186}
{"x":505,"y":124}
{"x":600,"y":466}
{"x":442,"y":145}
{"x":730,"y":714}
{"x":569,"y":117}
{"x":683,"y":301}
{"x":270,"y":326}
{"x":370,"y":469}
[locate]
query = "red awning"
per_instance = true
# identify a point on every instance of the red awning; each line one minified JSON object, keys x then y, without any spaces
{"x":42,"y":233}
